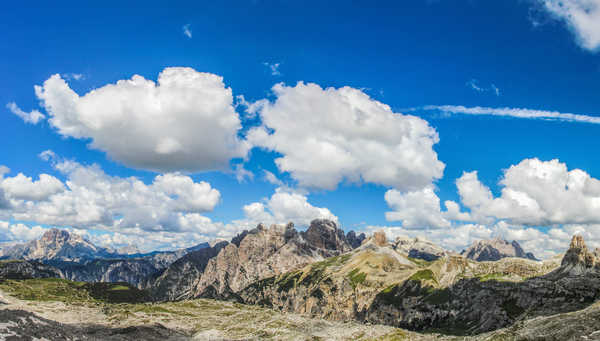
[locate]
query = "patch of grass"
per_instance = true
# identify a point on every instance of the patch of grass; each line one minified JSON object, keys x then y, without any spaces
{"x":356,"y":277}
{"x":420,"y":262}
{"x":496,"y":276}
{"x":396,"y":335}
{"x":288,"y":281}
{"x":57,"y":289}
{"x":423,"y":275}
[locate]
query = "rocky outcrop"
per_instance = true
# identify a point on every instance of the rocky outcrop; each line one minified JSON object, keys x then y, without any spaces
{"x":419,"y":248}
{"x":20,"y":269}
{"x":337,"y":288}
{"x":495,"y":249}
{"x":578,"y":260}
{"x":265,"y":252}
{"x":354,"y":240}
{"x":251,"y":256}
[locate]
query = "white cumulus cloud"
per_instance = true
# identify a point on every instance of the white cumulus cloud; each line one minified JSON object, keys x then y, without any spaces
{"x":581,"y":16}
{"x":91,"y":199}
{"x":286,"y":205}
{"x":535,"y":192}
{"x":329,"y":135}
{"x":416,"y":209}
{"x":185,"y":121}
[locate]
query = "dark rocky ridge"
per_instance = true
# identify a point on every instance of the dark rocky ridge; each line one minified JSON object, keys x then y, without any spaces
{"x":21,"y":269}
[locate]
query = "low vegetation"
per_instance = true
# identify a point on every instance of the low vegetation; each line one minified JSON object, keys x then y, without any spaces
{"x":56,"y":289}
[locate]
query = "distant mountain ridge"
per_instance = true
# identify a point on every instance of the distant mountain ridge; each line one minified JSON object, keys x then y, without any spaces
{"x":56,"y":244}
{"x":76,"y":258}
{"x":496,"y":249}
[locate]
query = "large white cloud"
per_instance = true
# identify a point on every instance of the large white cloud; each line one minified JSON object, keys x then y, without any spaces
{"x":581,"y":16}
{"x":416,"y":209}
{"x":185,"y":121}
{"x":91,"y":199}
{"x":286,"y":205}
{"x":535,"y":192}
{"x":19,"y":232}
{"x":328,"y":135}
{"x":21,"y":187}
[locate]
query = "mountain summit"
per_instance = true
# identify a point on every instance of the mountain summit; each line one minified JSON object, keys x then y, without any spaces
{"x":496,"y":249}
{"x":578,"y":260}
{"x":56,"y":244}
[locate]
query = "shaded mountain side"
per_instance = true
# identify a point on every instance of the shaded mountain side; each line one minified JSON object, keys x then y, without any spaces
{"x":21,"y":269}
{"x":132,"y":271}
{"x":475,"y":305}
{"x":251,"y":255}
{"x":177,"y":280}
{"x":496,"y":249}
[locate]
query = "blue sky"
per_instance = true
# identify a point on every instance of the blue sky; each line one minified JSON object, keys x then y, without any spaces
{"x":408,"y":55}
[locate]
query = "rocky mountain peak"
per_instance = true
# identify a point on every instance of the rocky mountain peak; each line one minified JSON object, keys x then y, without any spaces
{"x":495,"y":249}
{"x":354,"y":240}
{"x":324,"y":234}
{"x":380,"y":238}
{"x":578,"y":259}
{"x":577,"y":242}
{"x":60,"y":237}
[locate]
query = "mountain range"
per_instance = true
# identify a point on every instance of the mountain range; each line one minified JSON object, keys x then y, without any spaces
{"x":324,"y":273}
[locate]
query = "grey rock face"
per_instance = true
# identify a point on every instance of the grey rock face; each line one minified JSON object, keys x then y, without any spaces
{"x":418,"y":248}
{"x":495,"y":249}
{"x":354,"y":240}
{"x":578,"y":260}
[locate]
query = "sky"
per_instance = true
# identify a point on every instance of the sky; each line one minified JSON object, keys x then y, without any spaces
{"x":164,"y":127}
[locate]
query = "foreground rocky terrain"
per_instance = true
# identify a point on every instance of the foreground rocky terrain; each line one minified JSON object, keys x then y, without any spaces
{"x":49,"y":309}
{"x":60,"y":309}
